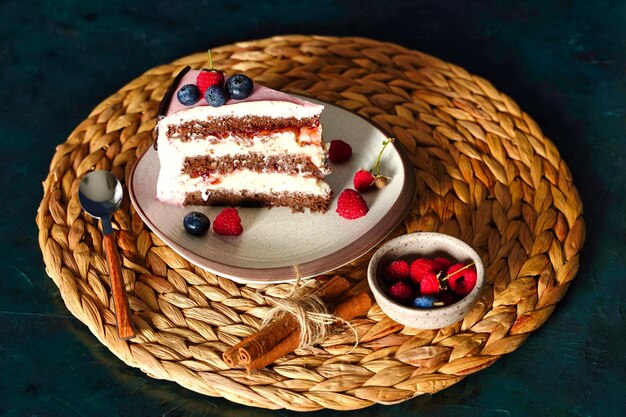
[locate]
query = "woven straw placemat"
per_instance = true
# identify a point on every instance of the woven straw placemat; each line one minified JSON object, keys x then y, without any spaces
{"x":485,"y":173}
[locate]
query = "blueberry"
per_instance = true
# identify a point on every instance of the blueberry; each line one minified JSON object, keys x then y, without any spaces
{"x":188,"y":94}
{"x":424,"y":301}
{"x":239,"y":86}
{"x":196,"y":223}
{"x":215,"y":96}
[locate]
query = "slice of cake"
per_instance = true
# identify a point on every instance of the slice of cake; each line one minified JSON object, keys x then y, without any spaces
{"x":265,"y":149}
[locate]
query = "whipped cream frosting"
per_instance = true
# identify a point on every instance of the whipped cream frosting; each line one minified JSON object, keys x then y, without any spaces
{"x":263,"y":101}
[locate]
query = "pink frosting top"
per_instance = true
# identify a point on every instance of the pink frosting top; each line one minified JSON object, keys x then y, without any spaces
{"x":259,"y":93}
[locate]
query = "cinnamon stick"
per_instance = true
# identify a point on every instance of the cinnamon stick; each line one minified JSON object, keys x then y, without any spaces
{"x":231,"y":356}
{"x":257,"y":344}
{"x":355,"y":306}
{"x":268,"y":337}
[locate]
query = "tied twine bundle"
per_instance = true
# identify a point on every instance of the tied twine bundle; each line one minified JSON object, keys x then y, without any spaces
{"x":311,"y":314}
{"x":298,"y":321}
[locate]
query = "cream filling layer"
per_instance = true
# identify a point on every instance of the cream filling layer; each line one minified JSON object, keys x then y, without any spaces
{"x":173,"y":188}
{"x":173,"y":152}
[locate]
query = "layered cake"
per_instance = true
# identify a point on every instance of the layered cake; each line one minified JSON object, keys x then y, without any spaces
{"x":265,"y":149}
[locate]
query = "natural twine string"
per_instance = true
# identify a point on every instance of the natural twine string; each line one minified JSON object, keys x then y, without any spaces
{"x":311,"y":313}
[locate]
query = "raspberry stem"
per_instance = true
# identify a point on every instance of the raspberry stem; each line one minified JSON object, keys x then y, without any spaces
{"x":210,"y":60}
{"x":444,"y":279}
{"x":376,"y":165}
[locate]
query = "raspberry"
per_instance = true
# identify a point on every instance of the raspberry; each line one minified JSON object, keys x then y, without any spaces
{"x":228,"y":223}
{"x":442,"y":264}
{"x":339,"y":151}
{"x":397,"y":271}
{"x":363,"y":181}
{"x":461,"y":282}
{"x":401,"y":292}
{"x":420,"y":267}
{"x":209,"y":78}
{"x":429,"y":284}
{"x":351,"y":205}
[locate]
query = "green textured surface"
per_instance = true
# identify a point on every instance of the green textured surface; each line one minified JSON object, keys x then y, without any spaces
{"x":562,"y":61}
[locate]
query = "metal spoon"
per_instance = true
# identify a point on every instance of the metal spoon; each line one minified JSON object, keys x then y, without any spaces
{"x":100,"y":195}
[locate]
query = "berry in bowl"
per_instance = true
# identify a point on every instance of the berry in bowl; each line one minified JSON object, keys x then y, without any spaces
{"x":426,"y":280}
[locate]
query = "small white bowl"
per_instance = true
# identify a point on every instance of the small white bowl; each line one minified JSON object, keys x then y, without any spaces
{"x":429,"y":245}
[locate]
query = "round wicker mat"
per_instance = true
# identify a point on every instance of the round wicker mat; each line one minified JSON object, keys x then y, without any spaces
{"x":485,"y":173}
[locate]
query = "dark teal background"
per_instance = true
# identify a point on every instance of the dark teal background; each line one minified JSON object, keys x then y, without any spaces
{"x":563,"y":61}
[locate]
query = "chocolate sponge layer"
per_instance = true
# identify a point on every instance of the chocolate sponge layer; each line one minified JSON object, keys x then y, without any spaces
{"x":296,"y":201}
{"x":254,"y":161}
{"x":239,"y":126}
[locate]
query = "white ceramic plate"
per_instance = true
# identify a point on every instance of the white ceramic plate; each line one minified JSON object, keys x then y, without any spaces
{"x":274,"y":242}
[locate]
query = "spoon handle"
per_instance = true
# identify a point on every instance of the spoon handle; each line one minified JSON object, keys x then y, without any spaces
{"x":125,"y":326}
